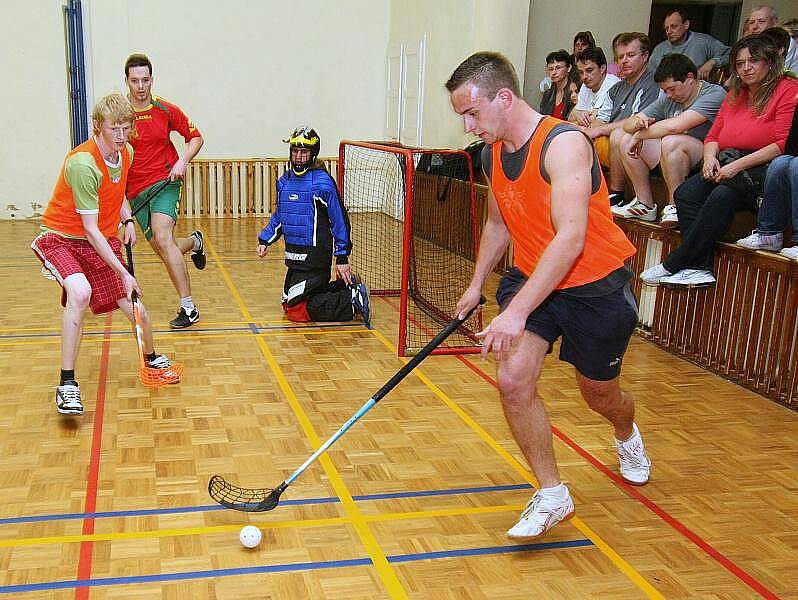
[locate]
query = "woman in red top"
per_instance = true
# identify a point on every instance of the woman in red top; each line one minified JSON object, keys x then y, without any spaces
{"x":750,"y":130}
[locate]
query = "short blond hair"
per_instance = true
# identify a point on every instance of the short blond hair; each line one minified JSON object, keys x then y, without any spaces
{"x":114,"y":108}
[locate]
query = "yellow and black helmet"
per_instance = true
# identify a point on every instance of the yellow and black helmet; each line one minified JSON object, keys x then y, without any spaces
{"x":303,"y":137}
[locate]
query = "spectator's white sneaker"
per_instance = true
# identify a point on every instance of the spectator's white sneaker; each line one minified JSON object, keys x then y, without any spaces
{"x":541,"y":514}
{"x":761,"y":241}
{"x":669,"y":219}
{"x":635,"y":463}
{"x":690,"y":278}
{"x":790,"y":252}
{"x":653,"y":275}
{"x":635,"y":210}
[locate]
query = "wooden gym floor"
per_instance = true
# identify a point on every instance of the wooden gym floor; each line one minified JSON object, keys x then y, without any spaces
{"x":412,"y":503}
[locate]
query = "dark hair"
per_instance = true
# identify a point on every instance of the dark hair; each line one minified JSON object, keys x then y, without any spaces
{"x":595,"y":55}
{"x":777,"y":36}
{"x":488,"y":71}
{"x":585,"y":37}
{"x":625,"y":39}
{"x":558,"y":56}
{"x":762,"y":48}
{"x":676,"y":66}
{"x":678,"y":11}
{"x":137,"y":60}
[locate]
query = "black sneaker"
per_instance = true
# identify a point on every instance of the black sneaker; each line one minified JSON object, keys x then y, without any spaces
{"x":198,"y":256}
{"x":617,"y":199}
{"x":67,"y":399}
{"x":184,"y":319}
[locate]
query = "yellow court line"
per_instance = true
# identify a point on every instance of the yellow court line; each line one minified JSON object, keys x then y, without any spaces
{"x":378,"y":557}
{"x":616,"y":559}
{"x":295,"y":524}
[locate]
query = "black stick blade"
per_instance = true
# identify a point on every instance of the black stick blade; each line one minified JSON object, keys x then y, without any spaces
{"x":244,"y":499}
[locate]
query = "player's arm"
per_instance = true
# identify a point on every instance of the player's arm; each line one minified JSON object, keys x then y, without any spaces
{"x":341,"y":231}
{"x":192,"y":148}
{"x":568,"y":162}
{"x":192,"y":136}
{"x":100,"y":244}
{"x":128,"y":227}
{"x":492,"y":245}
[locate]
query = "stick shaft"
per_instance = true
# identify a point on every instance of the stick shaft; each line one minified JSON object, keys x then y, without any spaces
{"x":392,"y":383}
{"x":152,"y":194}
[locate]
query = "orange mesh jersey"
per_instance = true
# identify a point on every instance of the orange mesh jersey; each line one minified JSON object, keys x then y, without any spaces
{"x":61,"y":214}
{"x":525,"y":205}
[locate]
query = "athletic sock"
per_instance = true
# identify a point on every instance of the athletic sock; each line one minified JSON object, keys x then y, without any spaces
{"x":187,"y":303}
{"x":558,"y":492}
{"x":67,"y":375}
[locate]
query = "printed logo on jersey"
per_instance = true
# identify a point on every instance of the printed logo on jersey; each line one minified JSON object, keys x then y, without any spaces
{"x":293,"y":196}
{"x":143,"y":117}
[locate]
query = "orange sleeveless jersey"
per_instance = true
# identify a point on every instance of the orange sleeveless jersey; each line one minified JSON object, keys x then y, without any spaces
{"x":61,"y":214}
{"x":525,"y":205}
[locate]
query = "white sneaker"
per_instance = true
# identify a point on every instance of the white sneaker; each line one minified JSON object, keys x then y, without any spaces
{"x":790,"y":252}
{"x":635,"y":210}
{"x":690,"y":278}
{"x":635,"y":463}
{"x":762,"y":241}
{"x":669,"y":220}
{"x":653,"y":275}
{"x":541,"y":514}
{"x":67,"y":399}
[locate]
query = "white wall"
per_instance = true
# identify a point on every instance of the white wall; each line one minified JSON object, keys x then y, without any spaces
{"x":248,"y":71}
{"x":455,"y":29}
{"x":552,"y":26}
{"x":34,"y":125}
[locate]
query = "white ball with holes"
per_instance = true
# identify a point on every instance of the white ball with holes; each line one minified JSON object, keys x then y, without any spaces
{"x":250,"y":536}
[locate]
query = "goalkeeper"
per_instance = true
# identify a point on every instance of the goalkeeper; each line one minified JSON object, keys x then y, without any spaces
{"x":315,"y":225}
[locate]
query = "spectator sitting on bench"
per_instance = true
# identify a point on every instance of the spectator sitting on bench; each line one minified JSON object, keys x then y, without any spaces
{"x":594,"y":103}
{"x":704,"y":50}
{"x":636,"y":90}
{"x":556,"y":100}
{"x":779,"y":202}
{"x":750,"y":131}
{"x":763,"y":17}
{"x":670,"y":133}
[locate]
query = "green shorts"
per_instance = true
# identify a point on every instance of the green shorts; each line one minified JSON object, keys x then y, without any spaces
{"x":166,"y":202}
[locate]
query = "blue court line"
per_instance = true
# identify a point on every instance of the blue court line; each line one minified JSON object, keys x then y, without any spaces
{"x":251,"y":327}
{"x":211,"y":507}
{"x":282,"y":568}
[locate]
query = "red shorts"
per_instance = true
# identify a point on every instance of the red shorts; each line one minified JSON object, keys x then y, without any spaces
{"x":64,"y":256}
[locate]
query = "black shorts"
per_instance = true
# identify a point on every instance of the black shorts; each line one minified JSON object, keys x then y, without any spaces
{"x":595,"y":330}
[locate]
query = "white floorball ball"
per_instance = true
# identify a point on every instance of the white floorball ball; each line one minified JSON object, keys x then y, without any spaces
{"x":250,"y":536}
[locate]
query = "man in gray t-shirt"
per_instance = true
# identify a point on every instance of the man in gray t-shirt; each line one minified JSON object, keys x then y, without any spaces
{"x":669,"y":132}
{"x":636,"y":89}
{"x":704,"y":50}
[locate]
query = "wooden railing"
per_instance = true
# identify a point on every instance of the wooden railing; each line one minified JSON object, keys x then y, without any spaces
{"x":232,"y":188}
{"x":745,"y":328}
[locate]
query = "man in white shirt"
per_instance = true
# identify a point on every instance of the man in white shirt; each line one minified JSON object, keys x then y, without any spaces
{"x":594,"y":103}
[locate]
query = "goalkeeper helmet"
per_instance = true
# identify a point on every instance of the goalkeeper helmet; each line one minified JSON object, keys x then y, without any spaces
{"x":303,"y":137}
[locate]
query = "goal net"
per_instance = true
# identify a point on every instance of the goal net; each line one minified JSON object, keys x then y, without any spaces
{"x":414,"y":234}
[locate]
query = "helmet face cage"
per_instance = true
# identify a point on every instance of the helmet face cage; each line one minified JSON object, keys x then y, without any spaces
{"x":303,"y":137}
